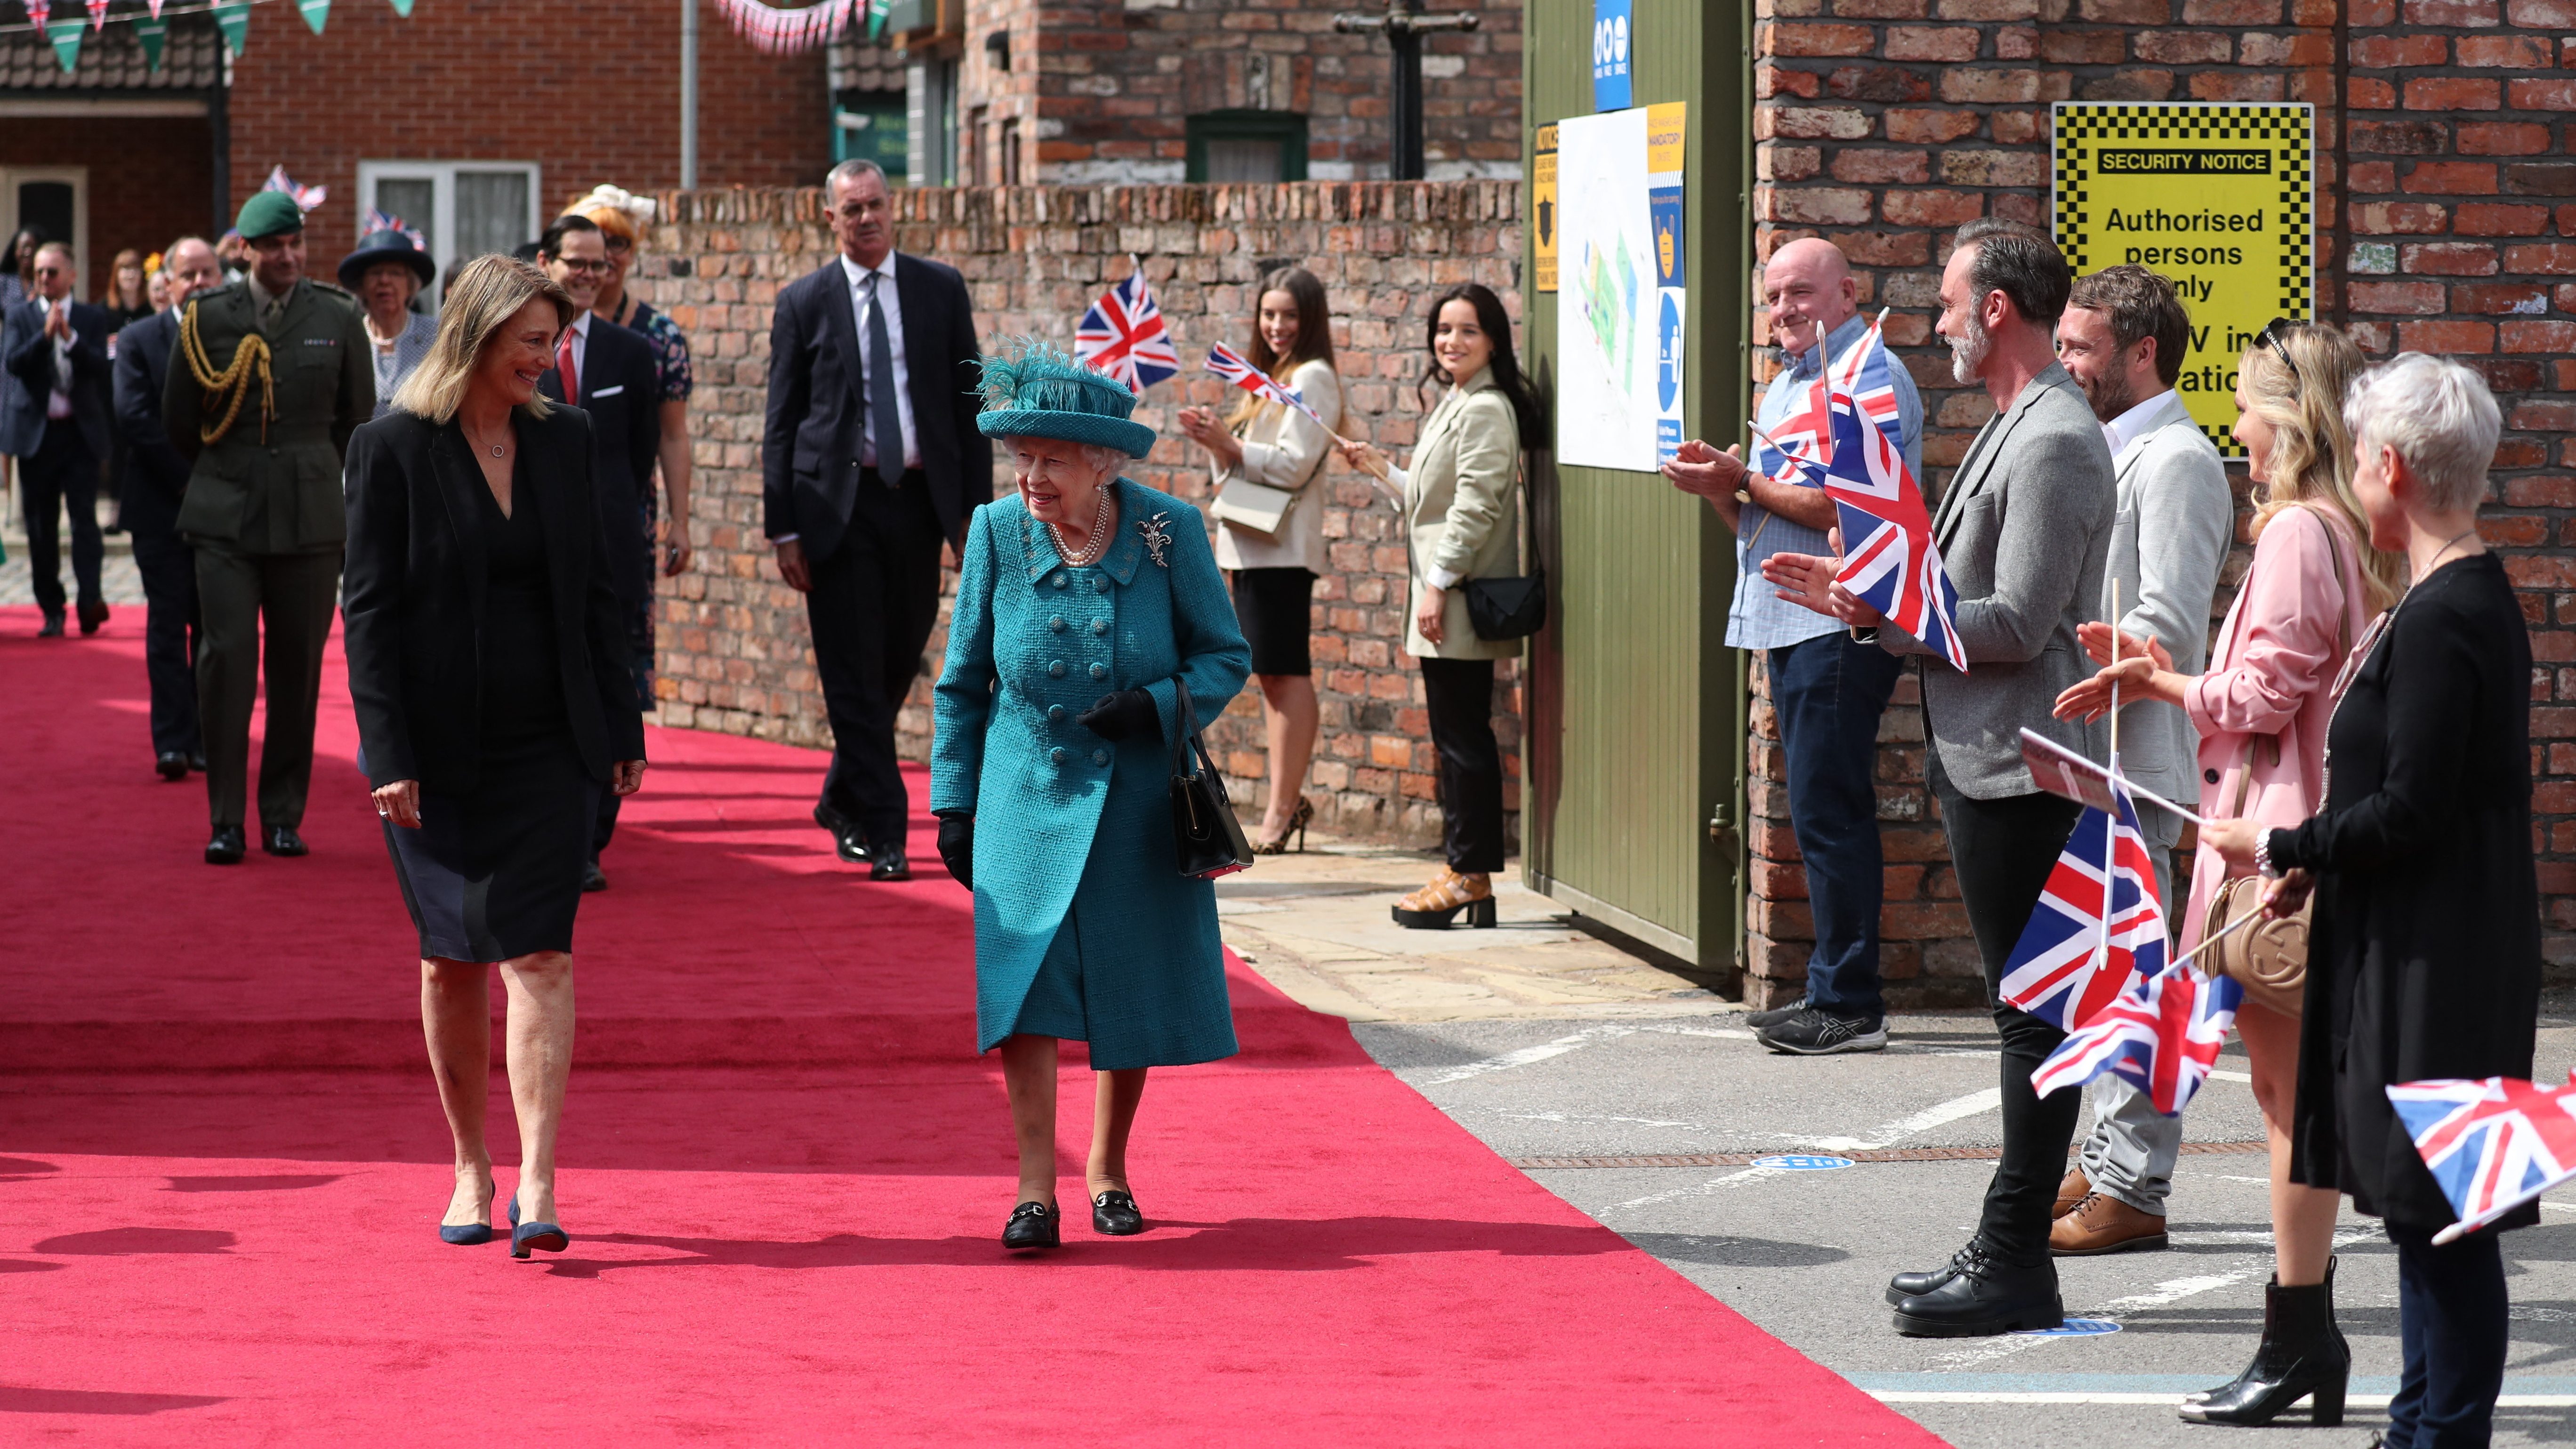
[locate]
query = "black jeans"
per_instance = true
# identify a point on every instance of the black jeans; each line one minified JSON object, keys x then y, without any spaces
{"x":872,"y":605}
{"x":2451,"y":1311}
{"x":61,"y":474}
{"x":1828,"y":693}
{"x":1459,"y":695}
{"x":171,"y":630}
{"x":2003,"y":851}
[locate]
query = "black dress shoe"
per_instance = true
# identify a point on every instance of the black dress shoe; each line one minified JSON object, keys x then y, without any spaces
{"x":1984,"y":1298}
{"x":282,"y":840}
{"x":227,"y":846}
{"x":888,"y":863}
{"x":92,"y":614}
{"x":172,"y":765}
{"x":197,"y":758}
{"x":592,"y":878}
{"x":53,"y":628}
{"x":1907,"y":1285}
{"x":1115,"y":1213}
{"x":1033,"y":1225}
{"x":847,"y":840}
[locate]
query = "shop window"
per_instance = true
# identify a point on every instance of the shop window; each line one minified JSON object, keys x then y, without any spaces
{"x":1247,"y":146}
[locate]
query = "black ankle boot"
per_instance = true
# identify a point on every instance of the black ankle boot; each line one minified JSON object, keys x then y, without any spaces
{"x":1984,"y":1296}
{"x":2302,"y":1353}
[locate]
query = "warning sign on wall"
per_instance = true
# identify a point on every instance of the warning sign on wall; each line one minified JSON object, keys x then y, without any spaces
{"x":2218,"y":197}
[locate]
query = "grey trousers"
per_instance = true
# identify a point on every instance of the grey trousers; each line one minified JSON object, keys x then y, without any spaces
{"x":2130,"y":1154}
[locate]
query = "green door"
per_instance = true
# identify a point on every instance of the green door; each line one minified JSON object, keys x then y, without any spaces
{"x":1634,"y":752}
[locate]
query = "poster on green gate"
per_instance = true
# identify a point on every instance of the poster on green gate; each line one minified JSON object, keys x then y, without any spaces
{"x":2217,"y":196}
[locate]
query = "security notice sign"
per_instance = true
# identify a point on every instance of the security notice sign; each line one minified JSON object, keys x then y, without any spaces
{"x":2219,"y":198}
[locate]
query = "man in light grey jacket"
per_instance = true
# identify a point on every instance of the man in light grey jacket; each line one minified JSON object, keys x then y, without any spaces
{"x":2122,"y":340}
{"x":2024,"y":530}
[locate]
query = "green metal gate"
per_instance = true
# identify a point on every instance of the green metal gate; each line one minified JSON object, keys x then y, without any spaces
{"x":1633,"y":762}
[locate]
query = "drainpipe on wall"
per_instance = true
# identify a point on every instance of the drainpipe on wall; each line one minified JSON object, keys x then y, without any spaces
{"x":688,"y":95}
{"x":219,"y":124}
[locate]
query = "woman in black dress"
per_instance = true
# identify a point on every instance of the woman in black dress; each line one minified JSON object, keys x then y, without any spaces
{"x":487,"y":660}
{"x":2424,"y":952}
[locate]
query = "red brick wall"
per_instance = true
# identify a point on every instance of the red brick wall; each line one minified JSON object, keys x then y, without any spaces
{"x":149,"y":178}
{"x":589,"y":93}
{"x":1883,"y":124}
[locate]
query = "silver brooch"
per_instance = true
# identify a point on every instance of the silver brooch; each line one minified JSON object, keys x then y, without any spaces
{"x":1157,"y":533}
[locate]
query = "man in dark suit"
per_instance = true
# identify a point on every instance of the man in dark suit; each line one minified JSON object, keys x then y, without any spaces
{"x":614,"y":379}
{"x":55,"y":420}
{"x":870,"y":461}
{"x":156,"y":480}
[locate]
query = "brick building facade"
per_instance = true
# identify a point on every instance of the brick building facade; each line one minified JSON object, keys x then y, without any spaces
{"x":1882,"y":124}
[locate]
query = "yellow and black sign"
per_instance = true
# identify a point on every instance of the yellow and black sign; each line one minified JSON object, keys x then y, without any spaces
{"x":2218,"y":197}
{"x":1543,"y":206}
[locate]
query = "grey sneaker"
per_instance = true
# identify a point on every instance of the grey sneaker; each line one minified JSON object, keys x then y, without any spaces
{"x":1816,"y":1033}
{"x":1758,"y":1020}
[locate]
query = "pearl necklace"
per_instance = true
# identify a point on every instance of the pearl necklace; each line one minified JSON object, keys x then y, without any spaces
{"x":1095,"y":543}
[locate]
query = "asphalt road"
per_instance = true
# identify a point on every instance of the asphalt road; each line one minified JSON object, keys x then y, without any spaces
{"x":1806,"y":1253}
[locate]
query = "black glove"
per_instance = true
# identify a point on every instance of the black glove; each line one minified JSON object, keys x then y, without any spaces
{"x":1128,"y":713}
{"x":957,"y":846}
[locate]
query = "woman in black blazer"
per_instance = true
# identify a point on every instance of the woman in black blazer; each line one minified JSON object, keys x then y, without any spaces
{"x":487,"y":660}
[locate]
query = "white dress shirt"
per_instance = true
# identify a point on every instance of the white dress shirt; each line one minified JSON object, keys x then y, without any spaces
{"x":58,"y":403}
{"x":2125,"y":429}
{"x":892,"y":306}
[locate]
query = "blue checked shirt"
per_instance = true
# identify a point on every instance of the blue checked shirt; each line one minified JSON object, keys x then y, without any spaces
{"x":1760,"y":618}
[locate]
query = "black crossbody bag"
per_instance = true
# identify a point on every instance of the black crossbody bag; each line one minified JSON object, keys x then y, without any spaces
{"x":1206,"y":838}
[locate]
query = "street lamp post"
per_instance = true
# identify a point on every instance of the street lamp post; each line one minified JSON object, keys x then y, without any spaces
{"x":1404,"y":27}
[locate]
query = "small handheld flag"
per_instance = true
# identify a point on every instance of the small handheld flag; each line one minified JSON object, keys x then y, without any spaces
{"x":1231,"y":365}
{"x":1889,"y":561}
{"x":382,"y":221}
{"x":2162,"y":1034}
{"x":1124,"y":336}
{"x":2493,"y":1145}
{"x":306,"y":197}
{"x":2059,"y":970}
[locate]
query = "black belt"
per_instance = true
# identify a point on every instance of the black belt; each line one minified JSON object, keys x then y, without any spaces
{"x":908,"y":475}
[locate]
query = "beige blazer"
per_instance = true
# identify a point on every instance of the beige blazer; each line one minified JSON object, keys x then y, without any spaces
{"x":1462,"y":511}
{"x":1284,"y":448}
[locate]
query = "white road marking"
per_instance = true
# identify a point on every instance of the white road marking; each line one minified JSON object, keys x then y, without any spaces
{"x":2218,"y":1076}
{"x":1986,"y":1100}
{"x":1544,"y":1051}
{"x":1604,"y":1117}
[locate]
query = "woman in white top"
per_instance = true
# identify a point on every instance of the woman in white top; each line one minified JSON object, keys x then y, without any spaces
{"x":1270,"y":525}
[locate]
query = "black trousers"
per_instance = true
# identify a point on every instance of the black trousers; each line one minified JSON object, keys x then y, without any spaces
{"x":284,"y":600}
{"x":2451,"y":1326}
{"x":872,"y":604}
{"x":2003,"y":851}
{"x":61,"y":472}
{"x":1459,"y":694}
{"x":171,"y":634}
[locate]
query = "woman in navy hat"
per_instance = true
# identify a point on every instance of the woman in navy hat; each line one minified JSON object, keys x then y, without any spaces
{"x":1086,"y":605}
{"x":386,"y":271}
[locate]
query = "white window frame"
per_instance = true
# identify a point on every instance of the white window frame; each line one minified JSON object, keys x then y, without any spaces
{"x":83,"y":284}
{"x":442,"y":177}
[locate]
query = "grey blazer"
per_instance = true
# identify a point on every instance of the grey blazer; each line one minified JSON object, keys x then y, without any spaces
{"x":409,"y":350}
{"x":2176,"y":519}
{"x":2023,"y":531}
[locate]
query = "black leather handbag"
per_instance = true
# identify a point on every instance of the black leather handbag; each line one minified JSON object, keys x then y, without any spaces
{"x":1507,"y":608}
{"x":1206,"y":838}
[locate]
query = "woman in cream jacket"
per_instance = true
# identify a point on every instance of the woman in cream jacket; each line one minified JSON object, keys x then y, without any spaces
{"x":1461,"y":504}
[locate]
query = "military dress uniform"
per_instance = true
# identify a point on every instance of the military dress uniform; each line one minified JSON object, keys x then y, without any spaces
{"x":264,"y":513}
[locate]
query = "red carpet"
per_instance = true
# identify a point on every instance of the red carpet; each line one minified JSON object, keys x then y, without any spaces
{"x":221,"y":1162}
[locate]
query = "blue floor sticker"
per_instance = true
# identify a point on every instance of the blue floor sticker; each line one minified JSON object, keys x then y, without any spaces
{"x":1795,"y":1162}
{"x":2075,"y":1328}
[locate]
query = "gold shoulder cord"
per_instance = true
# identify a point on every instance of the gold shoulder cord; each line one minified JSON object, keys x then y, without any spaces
{"x":252,"y":353}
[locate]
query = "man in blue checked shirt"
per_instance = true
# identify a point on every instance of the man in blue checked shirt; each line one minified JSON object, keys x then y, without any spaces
{"x":1827,"y":690}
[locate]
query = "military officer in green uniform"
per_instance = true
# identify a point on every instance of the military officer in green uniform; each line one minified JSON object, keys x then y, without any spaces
{"x":271,"y":375}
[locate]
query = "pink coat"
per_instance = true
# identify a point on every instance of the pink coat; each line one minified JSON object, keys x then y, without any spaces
{"x":2270,"y":681}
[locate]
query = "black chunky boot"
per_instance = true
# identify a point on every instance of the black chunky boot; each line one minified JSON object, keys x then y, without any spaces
{"x":2303,"y":1353}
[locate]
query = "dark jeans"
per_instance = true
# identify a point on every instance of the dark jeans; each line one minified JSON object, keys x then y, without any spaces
{"x":2003,"y":851}
{"x":59,"y":474}
{"x":1828,"y":693}
{"x":1459,"y":694}
{"x":2451,"y":1327}
{"x":171,"y":631}
{"x":872,"y":606}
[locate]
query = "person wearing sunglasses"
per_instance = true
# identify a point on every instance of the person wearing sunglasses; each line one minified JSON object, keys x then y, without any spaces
{"x":608,"y":372}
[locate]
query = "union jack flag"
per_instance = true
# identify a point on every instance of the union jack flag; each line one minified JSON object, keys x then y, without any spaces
{"x":2493,"y":1145}
{"x":2058,"y":970}
{"x":1231,"y":365}
{"x":382,"y":221}
{"x":1123,"y":335}
{"x":1888,"y":557}
{"x":306,"y":197}
{"x":1796,"y":447}
{"x":2162,"y":1034}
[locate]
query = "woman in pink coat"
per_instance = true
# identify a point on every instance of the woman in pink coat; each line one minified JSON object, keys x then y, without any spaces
{"x":2262,"y":711}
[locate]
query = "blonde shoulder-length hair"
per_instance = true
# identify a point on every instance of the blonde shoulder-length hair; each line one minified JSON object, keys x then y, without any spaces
{"x":2311,"y":456}
{"x":485,"y":296}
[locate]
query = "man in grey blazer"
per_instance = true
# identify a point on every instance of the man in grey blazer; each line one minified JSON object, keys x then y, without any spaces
{"x":2024,"y":531}
{"x":2122,"y":340}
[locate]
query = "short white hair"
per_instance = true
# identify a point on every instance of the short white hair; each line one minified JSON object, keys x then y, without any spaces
{"x":2437,"y":415}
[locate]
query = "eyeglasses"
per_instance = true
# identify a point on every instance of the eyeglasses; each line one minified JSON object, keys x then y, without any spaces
{"x":582,"y":264}
{"x":620,"y":244}
{"x":2276,"y":335}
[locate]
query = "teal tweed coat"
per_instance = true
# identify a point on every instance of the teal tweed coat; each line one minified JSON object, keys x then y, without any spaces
{"x":1065,"y":820}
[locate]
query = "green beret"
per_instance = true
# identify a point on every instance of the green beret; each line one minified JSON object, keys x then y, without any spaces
{"x":268,"y":213}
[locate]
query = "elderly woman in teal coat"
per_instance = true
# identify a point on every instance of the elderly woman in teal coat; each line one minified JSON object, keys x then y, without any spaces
{"x":1086,"y":605}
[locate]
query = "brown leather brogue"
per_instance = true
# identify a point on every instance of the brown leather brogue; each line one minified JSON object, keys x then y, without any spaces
{"x":2102,"y":1224}
{"x":2070,"y":1192}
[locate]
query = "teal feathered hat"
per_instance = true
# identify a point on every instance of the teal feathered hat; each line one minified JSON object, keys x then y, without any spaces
{"x":1032,"y":389}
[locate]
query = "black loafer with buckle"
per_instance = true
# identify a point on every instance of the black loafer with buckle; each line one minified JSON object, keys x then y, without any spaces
{"x":1115,"y":1214}
{"x":1033,"y":1225}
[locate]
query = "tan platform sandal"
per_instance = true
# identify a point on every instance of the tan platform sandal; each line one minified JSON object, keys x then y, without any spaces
{"x":1436,"y":905}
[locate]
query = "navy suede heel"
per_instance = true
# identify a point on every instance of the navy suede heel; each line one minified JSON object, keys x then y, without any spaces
{"x":467,"y":1235}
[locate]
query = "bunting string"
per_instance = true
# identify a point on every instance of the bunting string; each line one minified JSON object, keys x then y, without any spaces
{"x":777,"y":31}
